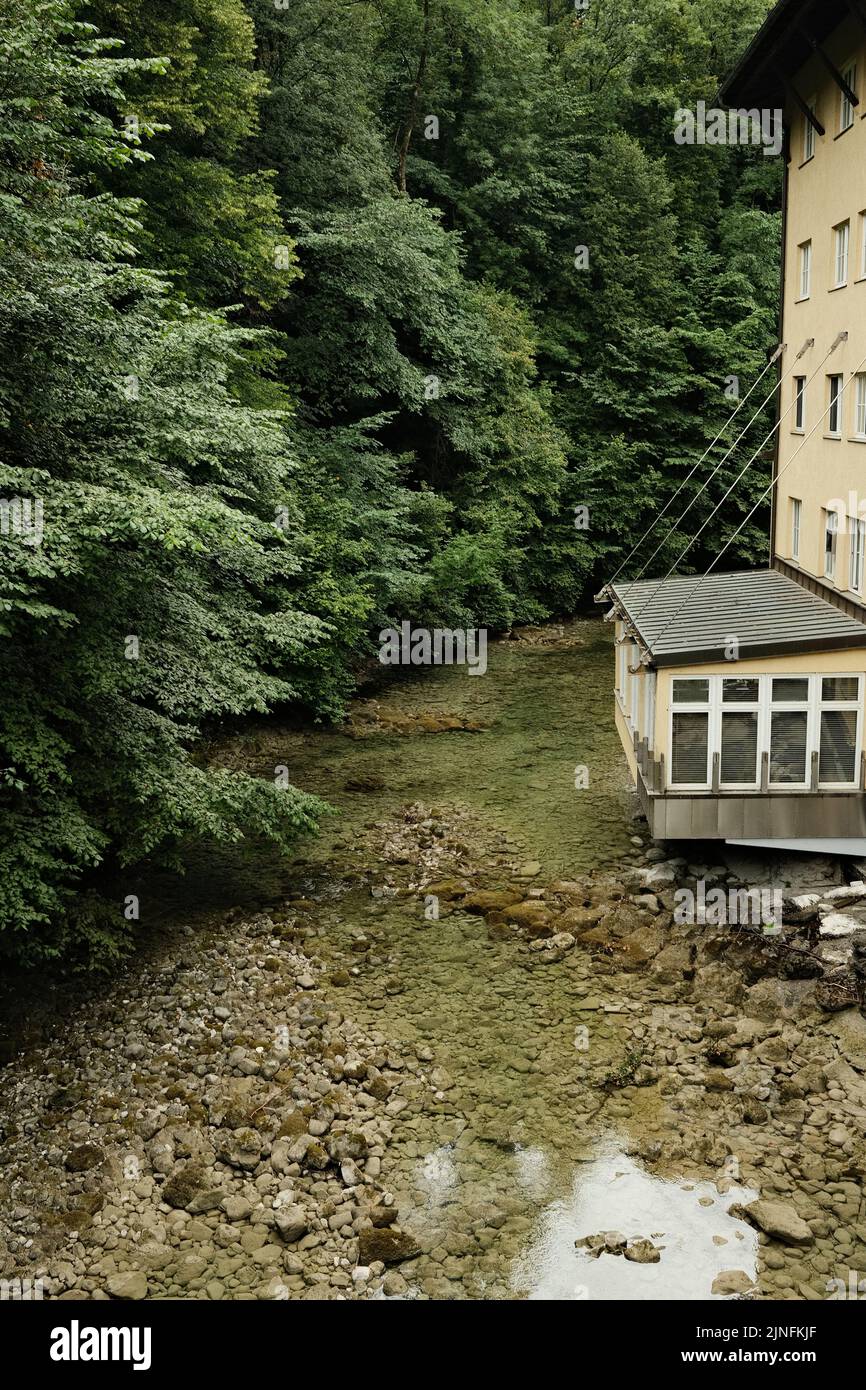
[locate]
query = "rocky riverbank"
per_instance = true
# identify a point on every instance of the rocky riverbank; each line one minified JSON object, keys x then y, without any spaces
{"x":228,"y":1128}
{"x":448,"y":1056}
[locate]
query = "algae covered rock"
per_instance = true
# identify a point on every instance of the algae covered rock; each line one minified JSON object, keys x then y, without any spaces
{"x":388,"y":1244}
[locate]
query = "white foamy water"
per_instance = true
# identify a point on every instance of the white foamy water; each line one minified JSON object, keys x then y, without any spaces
{"x":438,"y":1174}
{"x":612,"y":1193}
{"x":533,"y":1170}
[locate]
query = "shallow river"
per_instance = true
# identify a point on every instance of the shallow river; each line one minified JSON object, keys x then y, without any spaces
{"x":519,"y":1125}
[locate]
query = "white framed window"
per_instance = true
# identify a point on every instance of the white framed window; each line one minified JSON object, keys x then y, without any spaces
{"x":860,"y":405}
{"x":788,"y":763}
{"x":739,"y":720}
{"x":690,"y":732}
{"x":649,"y":705}
{"x":858,"y":544}
{"x":831,"y":533}
{"x":841,"y":241}
{"x":834,"y":411}
{"x":635,"y":686}
{"x":796,"y":511}
{"x":795,"y":720}
{"x":809,"y":132}
{"x":805,"y":269}
{"x":862,"y":244}
{"x":799,"y":402}
{"x":621,"y":668}
{"x":840,"y":732}
{"x":846,"y":110}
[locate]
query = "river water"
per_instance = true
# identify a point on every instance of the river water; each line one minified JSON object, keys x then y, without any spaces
{"x":559,"y":1096}
{"x":519,"y":1139}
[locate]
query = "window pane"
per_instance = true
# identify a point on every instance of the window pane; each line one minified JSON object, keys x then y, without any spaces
{"x":787,"y":689}
{"x":838,"y":745}
{"x":741,"y":692}
{"x":689,"y":749}
{"x":788,"y":747}
{"x":691,"y":692}
{"x":738,"y":762}
{"x":839,"y":688}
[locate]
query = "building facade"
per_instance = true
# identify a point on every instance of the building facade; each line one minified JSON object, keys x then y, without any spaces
{"x":740,"y":697}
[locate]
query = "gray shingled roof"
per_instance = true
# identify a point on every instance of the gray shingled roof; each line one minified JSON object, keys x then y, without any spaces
{"x":769,"y":614}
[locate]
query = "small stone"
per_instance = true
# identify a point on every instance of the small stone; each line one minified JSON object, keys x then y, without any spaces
{"x":291,"y":1222}
{"x":778,"y":1221}
{"x":838,"y":924}
{"x":236,"y":1208}
{"x":643,"y":1252}
{"x":131,"y":1286}
{"x":731,"y":1281}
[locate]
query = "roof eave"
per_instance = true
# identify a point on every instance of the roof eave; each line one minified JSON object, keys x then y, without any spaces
{"x":756,"y":650}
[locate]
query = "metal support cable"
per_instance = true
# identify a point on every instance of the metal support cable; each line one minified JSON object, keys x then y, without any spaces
{"x":760,"y":500}
{"x":774,"y":358}
{"x":832,"y":348}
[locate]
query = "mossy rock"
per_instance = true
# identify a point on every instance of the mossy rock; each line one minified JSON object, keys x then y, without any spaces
{"x":316,"y":1157}
{"x":387,"y":1244}
{"x":84,"y":1157}
{"x":183,"y":1185}
{"x":292,"y":1125}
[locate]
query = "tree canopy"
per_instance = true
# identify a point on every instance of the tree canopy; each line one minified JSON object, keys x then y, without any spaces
{"x":317,"y":317}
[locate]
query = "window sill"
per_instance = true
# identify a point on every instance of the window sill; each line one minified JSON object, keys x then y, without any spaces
{"x":840,"y":133}
{"x":833,"y":436}
{"x":803,"y":298}
{"x":796,"y":429}
{"x":807,"y":160}
{"x":834,"y":288}
{"x":857,"y":438}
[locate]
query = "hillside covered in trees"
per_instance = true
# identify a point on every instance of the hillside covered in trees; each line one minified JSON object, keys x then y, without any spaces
{"x":298,"y":341}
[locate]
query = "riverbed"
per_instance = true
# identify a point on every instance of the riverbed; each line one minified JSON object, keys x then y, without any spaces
{"x":563,"y":1114}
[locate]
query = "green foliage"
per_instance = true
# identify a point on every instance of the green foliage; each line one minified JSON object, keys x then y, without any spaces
{"x":161,"y":594}
{"x":286,"y":360}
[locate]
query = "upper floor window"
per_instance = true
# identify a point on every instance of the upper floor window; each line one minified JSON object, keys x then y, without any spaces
{"x":796,"y":511}
{"x":860,"y":405}
{"x":799,"y":402}
{"x":805,"y":269}
{"x":862,"y":246}
{"x":858,"y":538}
{"x":834,"y":414}
{"x":846,"y":110}
{"x":809,"y":132}
{"x":841,"y":236}
{"x":831,"y":531}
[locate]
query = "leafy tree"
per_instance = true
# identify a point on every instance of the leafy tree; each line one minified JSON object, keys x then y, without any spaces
{"x":160,"y":593}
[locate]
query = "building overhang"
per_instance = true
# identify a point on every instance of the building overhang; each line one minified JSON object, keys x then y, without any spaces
{"x":784,"y":43}
{"x":687,"y":620}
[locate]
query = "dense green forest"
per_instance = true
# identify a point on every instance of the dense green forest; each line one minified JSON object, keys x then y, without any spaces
{"x":297,"y":341}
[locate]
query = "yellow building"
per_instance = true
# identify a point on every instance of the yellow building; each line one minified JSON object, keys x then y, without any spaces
{"x":739,"y":697}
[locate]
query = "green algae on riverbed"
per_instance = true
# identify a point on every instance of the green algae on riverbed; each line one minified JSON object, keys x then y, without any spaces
{"x":546,"y":706}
